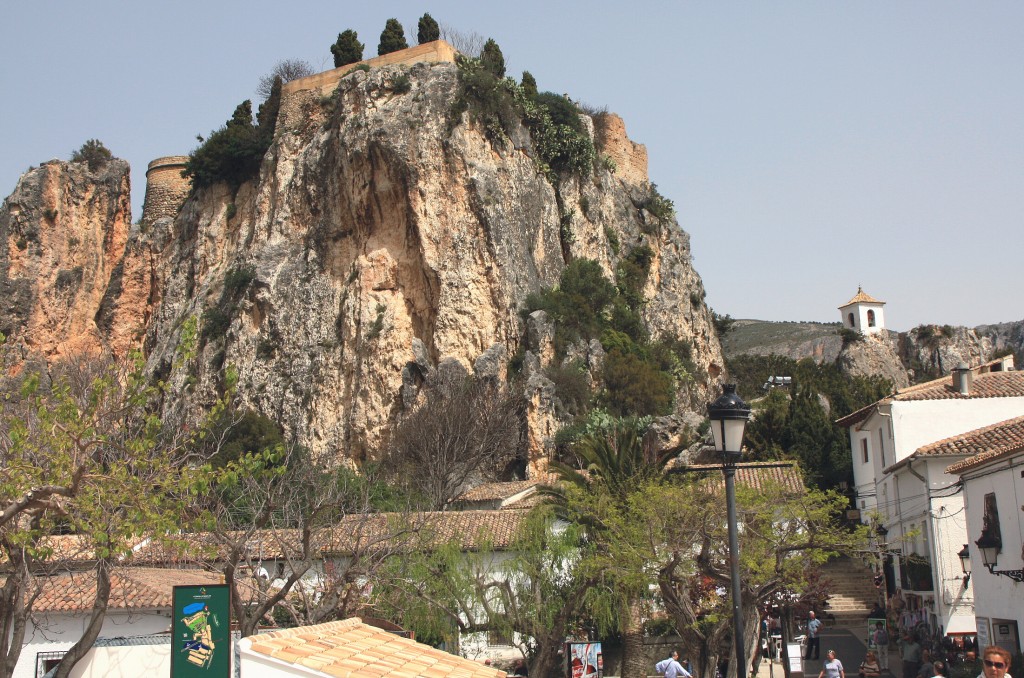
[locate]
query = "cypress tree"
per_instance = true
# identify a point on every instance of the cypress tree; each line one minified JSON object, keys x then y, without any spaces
{"x":392,"y":38}
{"x":347,"y":50}
{"x":492,"y":59}
{"x":529,"y":84}
{"x":429,"y":31}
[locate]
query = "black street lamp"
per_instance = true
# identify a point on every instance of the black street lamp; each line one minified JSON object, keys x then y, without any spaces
{"x":729,"y":416}
{"x":965,"y":563}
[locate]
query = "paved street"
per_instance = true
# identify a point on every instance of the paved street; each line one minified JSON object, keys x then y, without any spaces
{"x":850,"y":648}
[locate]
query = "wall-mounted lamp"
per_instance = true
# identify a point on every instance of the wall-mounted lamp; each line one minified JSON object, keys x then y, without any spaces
{"x":965,"y":563}
{"x":990,"y":547}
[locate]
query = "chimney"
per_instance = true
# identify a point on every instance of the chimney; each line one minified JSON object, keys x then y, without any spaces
{"x":962,"y":378}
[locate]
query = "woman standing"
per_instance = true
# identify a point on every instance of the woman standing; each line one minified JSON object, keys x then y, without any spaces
{"x":869,"y":668}
{"x":834,"y":668}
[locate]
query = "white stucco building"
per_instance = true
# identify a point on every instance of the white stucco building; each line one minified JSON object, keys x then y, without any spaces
{"x":993,"y":481}
{"x":863,"y":313}
{"x":901,"y":447}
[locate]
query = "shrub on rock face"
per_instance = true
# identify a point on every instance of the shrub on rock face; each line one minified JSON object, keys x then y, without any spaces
{"x":94,"y":153}
{"x":392,"y":38}
{"x":429,"y":31}
{"x":233,"y":153}
{"x":529,"y":85}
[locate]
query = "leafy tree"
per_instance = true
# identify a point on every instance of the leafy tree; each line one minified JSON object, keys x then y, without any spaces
{"x":529,"y":85}
{"x":392,"y":38}
{"x":534,"y":593}
{"x":492,"y":59}
{"x":233,"y":153}
{"x":347,"y":49}
{"x":467,"y":430}
{"x":783,"y":537}
{"x":287,"y":70}
{"x":618,"y":466}
{"x":428,"y":31}
{"x":80,"y":450}
{"x":94,"y":153}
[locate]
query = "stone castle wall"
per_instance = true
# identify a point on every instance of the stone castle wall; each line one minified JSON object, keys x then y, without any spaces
{"x":630,"y":158}
{"x":437,"y":51}
{"x":166,"y":189}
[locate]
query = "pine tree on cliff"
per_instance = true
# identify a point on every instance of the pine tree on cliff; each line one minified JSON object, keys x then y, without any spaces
{"x":347,"y":49}
{"x":392,"y":38}
{"x":429,"y":31}
{"x":492,"y":59}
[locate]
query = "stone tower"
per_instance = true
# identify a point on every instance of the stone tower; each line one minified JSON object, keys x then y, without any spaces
{"x":863,"y":313}
{"x":166,"y":189}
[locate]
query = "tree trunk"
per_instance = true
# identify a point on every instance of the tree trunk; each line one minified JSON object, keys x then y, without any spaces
{"x":634,"y":660}
{"x":547,"y":661}
{"x":12,"y":620}
{"x":92,"y":629}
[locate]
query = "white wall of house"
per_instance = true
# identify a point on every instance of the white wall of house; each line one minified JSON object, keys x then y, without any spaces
{"x":999,"y":599}
{"x":920,"y":422}
{"x":58,"y":632}
{"x":125,"y":662}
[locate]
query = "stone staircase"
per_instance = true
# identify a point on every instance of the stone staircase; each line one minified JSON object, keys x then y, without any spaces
{"x":852,"y":592}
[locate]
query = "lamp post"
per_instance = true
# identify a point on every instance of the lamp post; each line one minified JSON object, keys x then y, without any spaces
{"x":965,"y":563}
{"x":729,"y":416}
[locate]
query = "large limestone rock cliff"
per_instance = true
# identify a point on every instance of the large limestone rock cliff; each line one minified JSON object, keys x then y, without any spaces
{"x":65,"y":288}
{"x":380,"y":239}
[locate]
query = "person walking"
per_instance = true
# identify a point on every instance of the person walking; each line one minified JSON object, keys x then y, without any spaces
{"x":996,"y":661}
{"x":813,"y":641}
{"x":910,"y":653}
{"x":671,"y":668}
{"x":833,"y":668}
{"x":940,"y":668}
{"x":926,"y":670}
{"x":880,"y":639}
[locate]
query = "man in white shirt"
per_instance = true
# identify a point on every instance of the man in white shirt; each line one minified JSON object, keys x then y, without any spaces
{"x":671,"y":668}
{"x":813,"y":641}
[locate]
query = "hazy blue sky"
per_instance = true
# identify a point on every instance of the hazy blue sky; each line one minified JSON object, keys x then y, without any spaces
{"x":809,"y":146}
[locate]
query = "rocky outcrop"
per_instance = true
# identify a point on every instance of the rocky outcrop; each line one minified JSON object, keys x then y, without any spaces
{"x":65,"y":286}
{"x":875,"y":355}
{"x":382,"y":238}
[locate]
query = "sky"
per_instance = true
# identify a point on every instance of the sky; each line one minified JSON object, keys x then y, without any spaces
{"x":809,"y":147}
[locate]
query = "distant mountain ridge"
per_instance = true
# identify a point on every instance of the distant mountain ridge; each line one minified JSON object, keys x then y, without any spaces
{"x":905,"y":357}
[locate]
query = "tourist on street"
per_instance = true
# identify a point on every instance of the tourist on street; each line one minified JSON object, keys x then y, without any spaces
{"x":996,"y":662}
{"x":869,"y":668}
{"x":813,"y":641}
{"x":833,"y":668}
{"x":940,"y":668}
{"x":671,"y":668}
{"x":926,"y":670}
{"x":880,"y":639}
{"x":910,"y":653}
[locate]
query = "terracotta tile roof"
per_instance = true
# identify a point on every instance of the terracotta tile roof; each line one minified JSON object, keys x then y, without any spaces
{"x":131,"y":588}
{"x":986,"y":384}
{"x":759,"y":474}
{"x":498,"y":491}
{"x":352,"y":649}
{"x":861,"y":298}
{"x":986,"y":444}
{"x":354,"y":533}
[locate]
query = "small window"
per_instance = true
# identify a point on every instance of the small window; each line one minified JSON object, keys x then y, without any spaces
{"x":864,"y":450}
{"x":499,"y":638}
{"x":871,"y":318}
{"x":850,"y":318}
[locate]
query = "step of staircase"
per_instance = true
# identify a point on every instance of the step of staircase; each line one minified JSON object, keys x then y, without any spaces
{"x":851,"y":593}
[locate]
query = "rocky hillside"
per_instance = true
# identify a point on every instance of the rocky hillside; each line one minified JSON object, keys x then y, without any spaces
{"x":922,"y":353}
{"x":384,"y":235}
